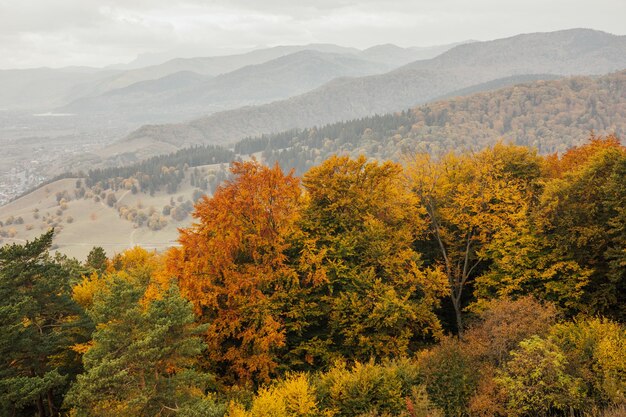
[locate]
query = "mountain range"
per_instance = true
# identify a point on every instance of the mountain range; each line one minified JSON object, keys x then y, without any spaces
{"x":466,"y":66}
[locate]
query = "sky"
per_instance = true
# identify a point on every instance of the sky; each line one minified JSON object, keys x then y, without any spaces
{"x":57,"y":33}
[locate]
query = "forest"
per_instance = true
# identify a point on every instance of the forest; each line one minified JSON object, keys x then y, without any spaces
{"x":474,"y":283}
{"x":551,"y":116}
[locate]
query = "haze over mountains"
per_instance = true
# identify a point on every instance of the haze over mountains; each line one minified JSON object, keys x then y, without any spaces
{"x":220,"y":100}
{"x":47,"y":88}
{"x":569,"y":52}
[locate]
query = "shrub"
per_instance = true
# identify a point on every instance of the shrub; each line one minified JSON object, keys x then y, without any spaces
{"x":291,"y":397}
{"x":536,"y":380}
{"x":596,"y":351}
{"x":450,"y":375}
{"x":367,"y":388}
{"x":505,"y":323}
{"x":111,"y":199}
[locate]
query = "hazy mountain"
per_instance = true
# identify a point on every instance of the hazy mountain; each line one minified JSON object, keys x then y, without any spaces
{"x":576,"y":51}
{"x":45,"y":88}
{"x":186,"y":94}
{"x":400,"y":56}
{"x":212,"y":65}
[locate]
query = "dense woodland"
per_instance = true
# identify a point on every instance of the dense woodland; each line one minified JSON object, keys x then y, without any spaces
{"x":550,"y":116}
{"x":485,"y":283}
{"x":159,"y":172}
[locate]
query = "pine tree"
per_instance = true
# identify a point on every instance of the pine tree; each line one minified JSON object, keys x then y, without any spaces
{"x":39,"y":322}
{"x":142,"y":362}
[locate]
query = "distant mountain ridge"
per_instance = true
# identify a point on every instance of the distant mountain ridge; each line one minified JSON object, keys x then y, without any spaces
{"x":44,"y":89}
{"x":575,"y":51}
{"x":185,"y":93}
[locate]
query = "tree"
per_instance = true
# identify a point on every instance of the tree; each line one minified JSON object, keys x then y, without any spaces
{"x":537,"y":381}
{"x":141,"y":361}
{"x":232,"y":266}
{"x":469,"y":200}
{"x":111,"y":199}
{"x":450,"y":375}
{"x":570,"y":248}
{"x":97,"y":259}
{"x":582,"y":216}
{"x":38,"y":325}
{"x":368,"y":293}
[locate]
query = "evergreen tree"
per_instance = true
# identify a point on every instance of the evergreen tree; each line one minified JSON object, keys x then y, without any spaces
{"x":142,"y":359}
{"x":97,"y":259}
{"x":39,"y":323}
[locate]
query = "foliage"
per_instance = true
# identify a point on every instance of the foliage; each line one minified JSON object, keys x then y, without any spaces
{"x":233,"y":268}
{"x":373,"y":298}
{"x":307,"y":298}
{"x":97,"y":259}
{"x":141,"y":361}
{"x":291,"y":397}
{"x":596,"y":351}
{"x":38,"y":323}
{"x":503,"y":323}
{"x":570,"y":247}
{"x":537,"y":382}
{"x":469,"y":201}
{"x":449,"y":374}
{"x":389,"y":387}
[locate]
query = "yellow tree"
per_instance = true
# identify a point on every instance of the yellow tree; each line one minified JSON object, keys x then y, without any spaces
{"x":570,"y":248}
{"x":469,"y":200}
{"x":372,"y":295}
{"x":232,"y":266}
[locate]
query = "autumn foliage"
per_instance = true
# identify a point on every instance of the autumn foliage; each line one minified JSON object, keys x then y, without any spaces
{"x":473,"y":284}
{"x":232,"y":266}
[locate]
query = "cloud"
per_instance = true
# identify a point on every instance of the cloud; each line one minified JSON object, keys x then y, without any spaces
{"x":91,"y":32}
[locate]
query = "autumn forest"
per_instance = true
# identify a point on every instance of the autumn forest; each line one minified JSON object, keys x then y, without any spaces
{"x":487,"y":283}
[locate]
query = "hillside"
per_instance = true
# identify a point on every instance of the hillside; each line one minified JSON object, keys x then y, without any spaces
{"x":82,"y":222}
{"x":549,"y":115}
{"x":186,"y":94}
{"x":577,"y":51}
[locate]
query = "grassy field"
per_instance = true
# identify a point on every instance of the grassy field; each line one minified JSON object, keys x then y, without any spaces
{"x":82,"y":223}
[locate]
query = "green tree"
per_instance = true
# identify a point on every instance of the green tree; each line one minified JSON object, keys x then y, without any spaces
{"x":97,"y":259}
{"x":39,"y":322}
{"x":142,"y":361}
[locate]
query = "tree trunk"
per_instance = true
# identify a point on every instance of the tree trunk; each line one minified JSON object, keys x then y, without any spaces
{"x":41,"y":411}
{"x":51,"y":406}
{"x":457,"y":312}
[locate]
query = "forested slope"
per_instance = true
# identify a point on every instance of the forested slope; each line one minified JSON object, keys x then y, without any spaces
{"x":569,"y":52}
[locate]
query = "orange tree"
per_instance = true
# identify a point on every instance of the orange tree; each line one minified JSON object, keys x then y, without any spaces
{"x":232,"y":266}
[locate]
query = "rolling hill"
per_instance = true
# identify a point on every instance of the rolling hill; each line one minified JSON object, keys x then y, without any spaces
{"x":550,"y":115}
{"x":186,"y":94}
{"x":569,"y":52}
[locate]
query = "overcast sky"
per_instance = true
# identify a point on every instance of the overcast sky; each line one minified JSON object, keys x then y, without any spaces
{"x":96,"y":33}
